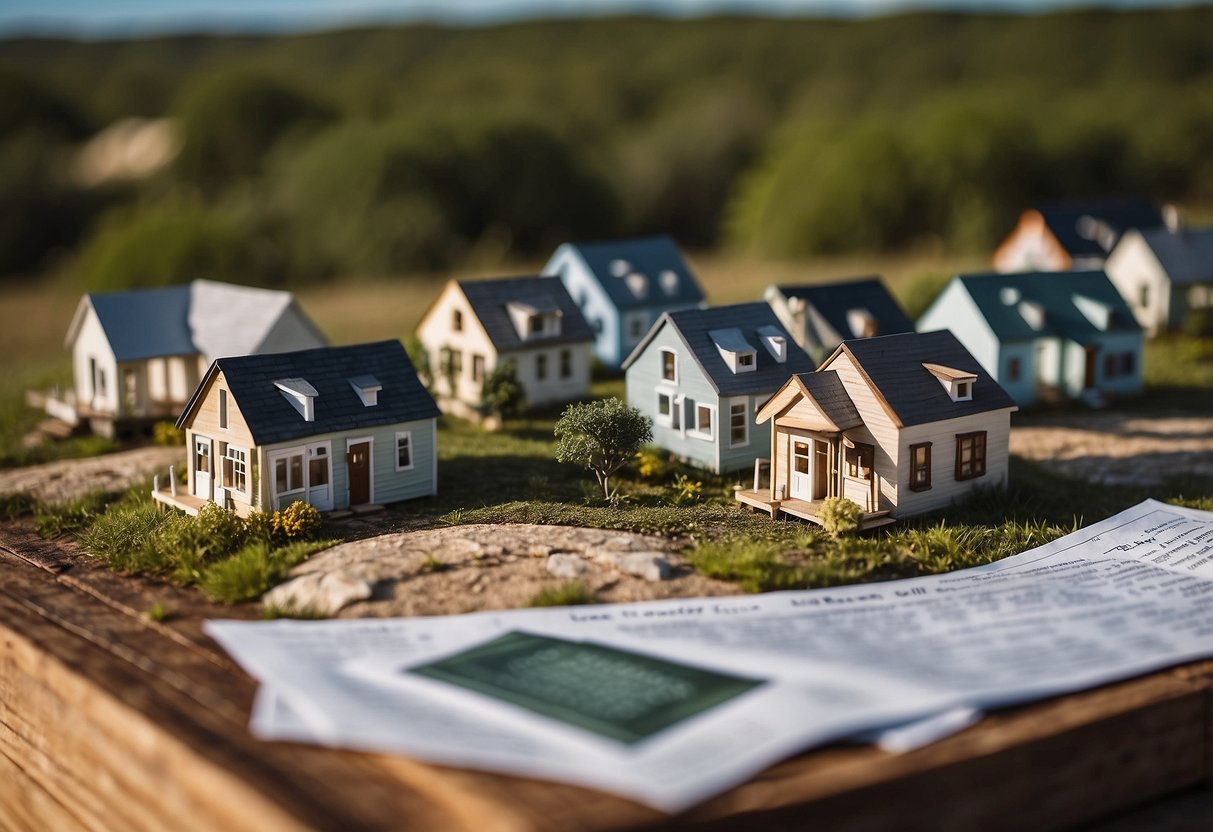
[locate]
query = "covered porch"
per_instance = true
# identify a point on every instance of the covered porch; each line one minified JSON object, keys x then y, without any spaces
{"x":775,"y":502}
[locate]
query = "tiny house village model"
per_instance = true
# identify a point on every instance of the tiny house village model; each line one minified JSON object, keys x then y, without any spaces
{"x":816,"y":395}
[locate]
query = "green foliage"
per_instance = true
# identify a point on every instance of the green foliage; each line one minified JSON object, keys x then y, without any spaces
{"x":420,"y":359}
{"x":573,"y":593}
{"x":652,"y":463}
{"x":69,"y":517}
{"x":299,"y":521}
{"x":501,"y":394}
{"x":14,"y":504}
{"x":253,"y":569}
{"x":602,"y":436}
{"x":840,"y":516}
{"x":167,"y":435}
{"x":230,"y":121}
{"x":157,"y":612}
{"x":124,"y":537}
{"x":1198,"y":323}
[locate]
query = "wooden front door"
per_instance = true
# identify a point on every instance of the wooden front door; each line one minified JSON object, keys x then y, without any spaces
{"x":358,"y":461}
{"x":821,"y":470}
{"x":1088,"y":376}
{"x":202,"y":467}
{"x":798,"y":475}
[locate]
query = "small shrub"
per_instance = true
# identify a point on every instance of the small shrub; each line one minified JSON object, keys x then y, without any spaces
{"x":840,"y":516}
{"x":651,"y":463}
{"x":167,"y":435}
{"x":454,"y":517}
{"x":259,"y":526}
{"x":686,"y":490}
{"x":157,"y":612}
{"x":297,"y":522}
{"x":14,"y":504}
{"x":123,"y":538}
{"x":571,"y":594}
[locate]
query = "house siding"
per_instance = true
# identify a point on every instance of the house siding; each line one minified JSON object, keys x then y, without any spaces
{"x":945,"y":488}
{"x":553,"y":389}
{"x":878,"y":428}
{"x":955,"y":310}
{"x":92,"y":345}
{"x":436,"y":334}
{"x":599,"y":312}
{"x":1133,"y":267}
{"x":1023,"y":389}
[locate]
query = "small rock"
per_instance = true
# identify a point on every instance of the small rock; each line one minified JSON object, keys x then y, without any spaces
{"x":648,"y":565}
{"x":608,"y":557}
{"x":622,"y":543}
{"x":538,"y":550}
{"x":322,"y":593}
{"x":566,"y":566}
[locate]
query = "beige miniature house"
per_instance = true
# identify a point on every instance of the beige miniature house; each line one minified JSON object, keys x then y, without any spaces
{"x":899,"y":424}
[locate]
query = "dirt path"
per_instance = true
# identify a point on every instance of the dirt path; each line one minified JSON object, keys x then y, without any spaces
{"x":68,"y":479}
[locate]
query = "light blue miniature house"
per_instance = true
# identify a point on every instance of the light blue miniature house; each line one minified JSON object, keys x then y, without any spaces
{"x":702,"y":374}
{"x":1044,"y":335}
{"x":623,"y":287}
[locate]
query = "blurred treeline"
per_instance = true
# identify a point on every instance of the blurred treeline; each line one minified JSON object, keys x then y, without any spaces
{"x":395,"y":149}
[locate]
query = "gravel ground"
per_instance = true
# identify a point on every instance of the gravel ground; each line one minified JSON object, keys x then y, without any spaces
{"x":68,"y":479}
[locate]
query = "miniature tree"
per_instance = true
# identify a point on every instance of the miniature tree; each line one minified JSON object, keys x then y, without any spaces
{"x":602,"y":436}
{"x":501,"y":395}
{"x":421,"y":360}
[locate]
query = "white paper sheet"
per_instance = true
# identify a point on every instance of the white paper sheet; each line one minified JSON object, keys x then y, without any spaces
{"x":1123,"y":597}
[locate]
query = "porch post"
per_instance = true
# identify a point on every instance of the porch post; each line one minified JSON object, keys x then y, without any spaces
{"x":774,"y":431}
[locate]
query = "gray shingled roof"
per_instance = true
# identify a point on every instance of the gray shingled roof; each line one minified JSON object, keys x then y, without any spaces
{"x":490,"y":299}
{"x":831,"y":396}
{"x":833,"y":300}
{"x":649,"y":256}
{"x":893,"y":363}
{"x":1186,"y":256}
{"x":1055,"y":292}
{"x":272,"y":418}
{"x":693,"y":326}
{"x":1065,"y":219}
{"x":205,"y":317}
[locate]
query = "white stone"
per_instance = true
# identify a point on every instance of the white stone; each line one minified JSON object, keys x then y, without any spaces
{"x":651,"y":566}
{"x":320,"y":593}
{"x":566,"y":566}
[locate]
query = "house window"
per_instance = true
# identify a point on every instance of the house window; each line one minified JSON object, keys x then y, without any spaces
{"x":534,"y":324}
{"x":457,"y":320}
{"x":964,"y":391}
{"x":456,"y":363}
{"x":404,"y":450}
{"x":541,"y":366}
{"x":318,"y":467}
{"x":288,"y":473}
{"x":223,"y":408}
{"x":477,"y":368}
{"x":130,"y":389}
{"x":566,"y":363}
{"x":920,"y":467}
{"x":235,"y":469}
{"x":665,"y":408}
{"x":1013,"y":369}
{"x":669,"y":365}
{"x":970,"y":455}
{"x":1127,"y":364}
{"x":859,"y":461}
{"x":1111,"y":362}
{"x":636,"y":328}
{"x":704,"y":419}
{"x":1144,"y":296}
{"x":745,"y":359}
{"x":202,"y":457}
{"x":739,"y":424}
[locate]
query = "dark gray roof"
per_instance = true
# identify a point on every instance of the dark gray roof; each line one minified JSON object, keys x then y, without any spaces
{"x":490,"y":300}
{"x":893,"y":363}
{"x":694,"y":326}
{"x":649,"y":256}
{"x":146,"y":323}
{"x":833,"y":300}
{"x":1069,"y":221}
{"x":272,"y":418}
{"x":1186,"y":255}
{"x":1055,"y":292}
{"x":827,"y":390}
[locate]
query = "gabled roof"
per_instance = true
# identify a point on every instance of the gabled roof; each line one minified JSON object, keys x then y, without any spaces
{"x":834,"y":300}
{"x":490,"y":301}
{"x":1058,"y":294}
{"x":612,"y":261}
{"x":893,"y":367}
{"x":205,"y":317}
{"x":825,"y":389}
{"x":1071,"y":222}
{"x":693,"y":327}
{"x":1185,"y":255}
{"x":338,"y":408}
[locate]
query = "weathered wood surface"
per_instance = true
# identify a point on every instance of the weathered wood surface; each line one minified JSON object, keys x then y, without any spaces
{"x":111,"y":721}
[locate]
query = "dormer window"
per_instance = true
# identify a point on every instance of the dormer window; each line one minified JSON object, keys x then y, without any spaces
{"x":534,"y":320}
{"x":1032,"y":313}
{"x":862,"y":323}
{"x":669,"y":282}
{"x":775,"y":341}
{"x":367,"y":387}
{"x":620,"y":267}
{"x":1101,"y":315}
{"x":958,"y":383}
{"x":301,"y":395}
{"x":736,"y":351}
{"x":638,"y":284}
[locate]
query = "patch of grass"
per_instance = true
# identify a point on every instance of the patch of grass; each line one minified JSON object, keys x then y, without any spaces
{"x":124,"y":536}
{"x":14,"y":504}
{"x":432,"y":564}
{"x":249,"y":572}
{"x":157,"y":612}
{"x":273,"y":613}
{"x":571,"y":594}
{"x":70,"y":517}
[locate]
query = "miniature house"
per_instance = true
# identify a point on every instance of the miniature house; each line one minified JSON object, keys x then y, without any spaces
{"x":1164,"y":274}
{"x":137,"y":355}
{"x":899,"y":424}
{"x":1045,"y":335}
{"x":337,"y":427}
{"x":820,"y":317}
{"x":701,"y":374}
{"x":622,"y":287}
{"x":1076,"y":234}
{"x":532,"y":321}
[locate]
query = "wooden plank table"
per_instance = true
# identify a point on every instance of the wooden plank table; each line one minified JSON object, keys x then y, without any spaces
{"x":109,"y":720}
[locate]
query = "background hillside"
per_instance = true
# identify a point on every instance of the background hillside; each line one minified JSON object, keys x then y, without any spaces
{"x":419,"y":148}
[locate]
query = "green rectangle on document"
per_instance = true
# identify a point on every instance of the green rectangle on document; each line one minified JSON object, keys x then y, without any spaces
{"x":611,"y":692}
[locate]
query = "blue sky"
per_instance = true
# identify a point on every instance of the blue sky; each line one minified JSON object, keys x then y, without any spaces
{"x":100,"y":18}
